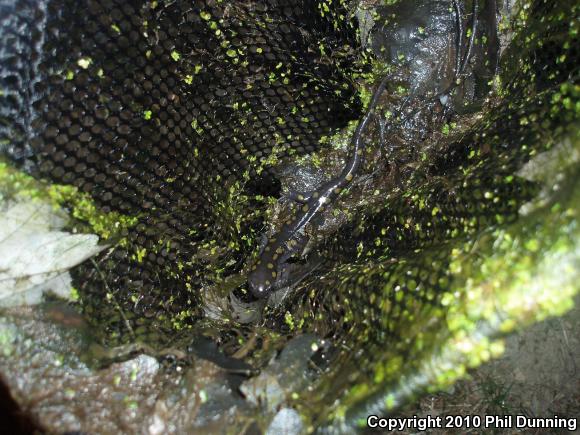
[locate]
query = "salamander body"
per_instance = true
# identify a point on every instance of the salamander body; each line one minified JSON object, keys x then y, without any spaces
{"x":267,"y":272}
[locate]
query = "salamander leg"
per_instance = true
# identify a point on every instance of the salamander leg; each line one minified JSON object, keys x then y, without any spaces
{"x":293,"y":274}
{"x":293,"y":247}
{"x":289,"y":276}
{"x":263,"y":242}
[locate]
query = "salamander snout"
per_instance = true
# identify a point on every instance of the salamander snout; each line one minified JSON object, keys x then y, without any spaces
{"x":259,"y":283}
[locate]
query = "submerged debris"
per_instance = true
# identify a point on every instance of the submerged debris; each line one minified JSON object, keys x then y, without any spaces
{"x":35,"y":256}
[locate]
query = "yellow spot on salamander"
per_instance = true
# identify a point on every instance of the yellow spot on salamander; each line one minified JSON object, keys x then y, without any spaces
{"x":274,"y":274}
{"x":348,"y":177}
{"x":267,"y":249}
{"x":305,"y":207}
{"x":268,"y":283}
{"x":279,"y":251}
{"x":270,"y":266}
{"x":300,"y":197}
{"x":275,"y":257}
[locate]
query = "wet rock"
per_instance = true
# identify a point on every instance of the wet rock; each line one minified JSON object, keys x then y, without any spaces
{"x":287,"y":374}
{"x":46,"y":375}
{"x":421,"y":35}
{"x":201,"y":399}
{"x":286,"y":422}
{"x":49,"y":363}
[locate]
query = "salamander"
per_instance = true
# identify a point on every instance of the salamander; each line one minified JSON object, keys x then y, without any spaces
{"x":265,"y":275}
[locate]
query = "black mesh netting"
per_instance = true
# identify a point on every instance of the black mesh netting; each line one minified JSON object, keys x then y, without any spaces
{"x":188,"y":121}
{"x":153,"y":109}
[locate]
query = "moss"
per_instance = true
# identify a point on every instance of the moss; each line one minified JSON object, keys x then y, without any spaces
{"x":7,"y":337}
{"x":87,"y":217}
{"x":74,"y":294}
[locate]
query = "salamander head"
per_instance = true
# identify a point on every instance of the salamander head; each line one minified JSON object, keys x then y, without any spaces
{"x":260,"y":281}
